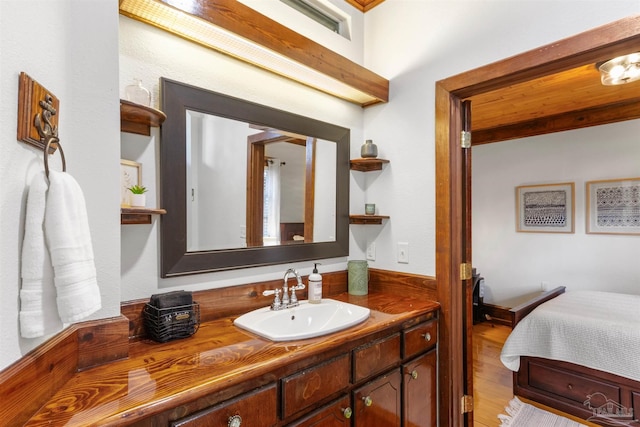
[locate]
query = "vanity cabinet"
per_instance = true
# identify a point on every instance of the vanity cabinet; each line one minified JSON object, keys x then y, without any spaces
{"x":390,"y":381}
{"x":379,"y":373}
{"x":257,"y":408}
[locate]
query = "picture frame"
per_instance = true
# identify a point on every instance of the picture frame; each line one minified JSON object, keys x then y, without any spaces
{"x":613,"y":206}
{"x":545,"y":208}
{"x":130,"y":174}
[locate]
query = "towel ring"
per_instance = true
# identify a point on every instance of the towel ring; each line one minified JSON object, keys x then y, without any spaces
{"x":53,"y":140}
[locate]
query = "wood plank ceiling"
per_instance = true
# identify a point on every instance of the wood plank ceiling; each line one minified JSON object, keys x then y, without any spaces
{"x":364,"y":5}
{"x":567,"y":100}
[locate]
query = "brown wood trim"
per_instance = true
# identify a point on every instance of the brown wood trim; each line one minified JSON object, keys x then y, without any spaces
{"x":399,"y":282}
{"x":364,"y":5}
{"x":310,"y":188}
{"x":497,"y":314}
{"x":27,"y":384}
{"x":601,"y":115}
{"x":230,"y":301}
{"x":255,"y":192}
{"x":244,"y":21}
{"x":102,"y":341}
{"x":592,"y":46}
{"x":517,"y":313}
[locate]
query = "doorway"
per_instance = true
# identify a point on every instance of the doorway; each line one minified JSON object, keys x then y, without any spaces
{"x":453,"y":236}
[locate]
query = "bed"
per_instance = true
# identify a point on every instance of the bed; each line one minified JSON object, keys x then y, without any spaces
{"x":578,"y":352}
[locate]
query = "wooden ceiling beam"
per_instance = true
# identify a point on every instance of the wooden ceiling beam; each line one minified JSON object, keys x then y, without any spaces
{"x":246,"y":22}
{"x":601,"y":115}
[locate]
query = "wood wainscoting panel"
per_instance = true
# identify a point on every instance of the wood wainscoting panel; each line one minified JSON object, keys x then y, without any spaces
{"x":391,"y":281}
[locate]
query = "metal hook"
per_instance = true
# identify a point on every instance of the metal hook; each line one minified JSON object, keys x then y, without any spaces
{"x":53,"y":140}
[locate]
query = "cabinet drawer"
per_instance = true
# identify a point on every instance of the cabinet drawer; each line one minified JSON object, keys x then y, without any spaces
{"x":376,"y":357}
{"x":569,"y":385}
{"x":312,"y":385}
{"x":336,"y":414}
{"x":257,"y":408}
{"x":420,"y":338}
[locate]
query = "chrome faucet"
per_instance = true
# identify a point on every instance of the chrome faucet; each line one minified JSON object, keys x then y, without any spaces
{"x":286,"y":301}
{"x":293,"y":301}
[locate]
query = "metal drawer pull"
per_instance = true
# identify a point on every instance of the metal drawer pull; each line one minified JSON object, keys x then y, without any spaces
{"x":367,"y":401}
{"x":347,"y":412}
{"x":427,"y":336}
{"x":414,"y":374}
{"x":234,"y":421}
{"x":570,"y":386}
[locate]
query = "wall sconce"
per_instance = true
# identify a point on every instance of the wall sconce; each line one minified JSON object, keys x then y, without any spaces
{"x":230,"y":27}
{"x":620,"y":70}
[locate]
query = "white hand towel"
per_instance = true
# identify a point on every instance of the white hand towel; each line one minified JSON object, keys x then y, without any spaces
{"x":69,"y":241}
{"x":36,"y":265}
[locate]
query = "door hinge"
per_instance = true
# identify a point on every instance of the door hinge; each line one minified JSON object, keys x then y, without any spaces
{"x":466,"y":272}
{"x":465,"y":139}
{"x":466,"y":404}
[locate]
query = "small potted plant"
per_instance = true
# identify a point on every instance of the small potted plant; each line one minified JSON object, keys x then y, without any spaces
{"x":138,"y":198}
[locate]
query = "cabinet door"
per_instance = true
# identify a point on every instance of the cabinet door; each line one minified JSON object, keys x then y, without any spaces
{"x":304,"y":389}
{"x":378,"y":403}
{"x":336,"y":414}
{"x":258,"y":408}
{"x":419,"y":388}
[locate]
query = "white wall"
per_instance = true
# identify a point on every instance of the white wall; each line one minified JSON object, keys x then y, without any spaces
{"x":515,"y":264}
{"x":149,"y":53}
{"x":71,"y":48}
{"x":416,"y":43}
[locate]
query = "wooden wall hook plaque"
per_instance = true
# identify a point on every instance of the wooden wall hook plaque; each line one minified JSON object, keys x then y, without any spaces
{"x":38,"y":113}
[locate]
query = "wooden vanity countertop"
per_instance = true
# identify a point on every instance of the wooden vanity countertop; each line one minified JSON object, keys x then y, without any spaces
{"x":220,"y":358}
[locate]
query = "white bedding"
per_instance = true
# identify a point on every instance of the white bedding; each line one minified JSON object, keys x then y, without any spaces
{"x":599,"y":330}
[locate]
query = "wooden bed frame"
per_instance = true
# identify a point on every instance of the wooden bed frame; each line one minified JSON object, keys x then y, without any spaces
{"x":566,"y":386}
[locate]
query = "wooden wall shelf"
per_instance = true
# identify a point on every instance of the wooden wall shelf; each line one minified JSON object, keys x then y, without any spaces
{"x":136,"y":118}
{"x":139,"y":215}
{"x":367,"y":219}
{"x":367,"y":165}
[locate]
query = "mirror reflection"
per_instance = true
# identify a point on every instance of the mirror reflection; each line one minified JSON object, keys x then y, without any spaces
{"x":246,"y":185}
{"x":295,"y":193}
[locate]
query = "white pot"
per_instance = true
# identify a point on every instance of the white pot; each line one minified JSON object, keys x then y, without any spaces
{"x":138,"y":200}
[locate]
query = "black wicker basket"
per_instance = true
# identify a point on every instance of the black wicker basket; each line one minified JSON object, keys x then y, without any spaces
{"x":166,"y":324}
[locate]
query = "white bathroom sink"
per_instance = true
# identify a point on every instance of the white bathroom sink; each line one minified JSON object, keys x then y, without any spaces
{"x":304,"y":321}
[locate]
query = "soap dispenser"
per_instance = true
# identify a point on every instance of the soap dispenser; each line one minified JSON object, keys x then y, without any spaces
{"x":315,"y":286}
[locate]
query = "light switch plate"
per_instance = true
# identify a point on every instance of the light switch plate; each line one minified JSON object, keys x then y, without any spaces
{"x":403,"y":253}
{"x":371,"y":251}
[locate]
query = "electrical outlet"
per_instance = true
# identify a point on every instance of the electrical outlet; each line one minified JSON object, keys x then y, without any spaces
{"x":371,"y":251}
{"x":544,"y":286}
{"x":403,"y":253}
{"x":243,"y":232}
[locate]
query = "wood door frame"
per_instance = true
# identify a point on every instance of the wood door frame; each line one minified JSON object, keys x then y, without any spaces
{"x":605,"y":42}
{"x":256,"y":145}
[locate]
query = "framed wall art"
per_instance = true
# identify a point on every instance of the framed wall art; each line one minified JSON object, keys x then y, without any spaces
{"x":547,"y":208}
{"x":613,"y":206}
{"x":130,"y":174}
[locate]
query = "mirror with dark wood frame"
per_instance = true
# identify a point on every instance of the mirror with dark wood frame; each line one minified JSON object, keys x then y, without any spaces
{"x":178,"y":256}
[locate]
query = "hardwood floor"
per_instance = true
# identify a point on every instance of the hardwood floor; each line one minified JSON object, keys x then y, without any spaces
{"x":492,"y":382}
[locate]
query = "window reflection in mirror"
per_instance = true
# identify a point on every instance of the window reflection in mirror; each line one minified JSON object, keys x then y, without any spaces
{"x":297,"y":186}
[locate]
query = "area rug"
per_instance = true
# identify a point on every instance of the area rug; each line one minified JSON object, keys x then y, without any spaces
{"x":520,"y":414}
